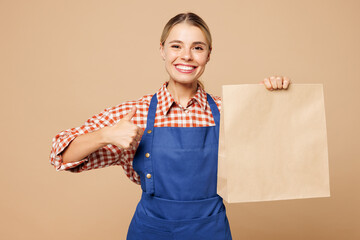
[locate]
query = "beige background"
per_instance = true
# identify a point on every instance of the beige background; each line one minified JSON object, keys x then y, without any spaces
{"x":63,"y":61}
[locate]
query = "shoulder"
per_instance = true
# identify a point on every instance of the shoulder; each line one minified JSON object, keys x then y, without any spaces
{"x":217,"y":100}
{"x":142,"y":104}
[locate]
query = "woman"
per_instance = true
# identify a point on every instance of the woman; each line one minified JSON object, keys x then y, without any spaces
{"x":167,"y":142}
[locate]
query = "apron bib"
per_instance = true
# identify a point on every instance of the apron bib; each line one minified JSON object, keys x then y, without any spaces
{"x":178,"y":172}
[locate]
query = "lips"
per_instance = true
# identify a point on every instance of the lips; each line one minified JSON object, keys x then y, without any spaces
{"x":185,"y":68}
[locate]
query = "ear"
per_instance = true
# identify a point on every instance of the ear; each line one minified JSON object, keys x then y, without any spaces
{"x":162,"y":51}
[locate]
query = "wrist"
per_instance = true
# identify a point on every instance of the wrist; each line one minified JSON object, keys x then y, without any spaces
{"x":103,"y":136}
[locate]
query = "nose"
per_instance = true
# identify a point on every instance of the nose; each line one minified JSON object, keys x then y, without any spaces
{"x":186,"y":54}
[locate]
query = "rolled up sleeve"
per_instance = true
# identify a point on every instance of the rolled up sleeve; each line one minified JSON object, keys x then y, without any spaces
{"x":103,"y":157}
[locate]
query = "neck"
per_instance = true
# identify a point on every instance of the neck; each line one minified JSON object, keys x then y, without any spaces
{"x":182,"y":93}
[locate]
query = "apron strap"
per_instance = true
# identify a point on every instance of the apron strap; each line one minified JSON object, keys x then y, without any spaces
{"x":152,"y":112}
{"x":148,"y":135}
{"x":216,"y":114}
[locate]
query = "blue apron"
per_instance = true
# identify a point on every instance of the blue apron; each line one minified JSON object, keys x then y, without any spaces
{"x":178,"y":173}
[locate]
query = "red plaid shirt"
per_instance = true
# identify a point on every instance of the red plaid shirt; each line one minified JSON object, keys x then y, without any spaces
{"x":169,"y":113}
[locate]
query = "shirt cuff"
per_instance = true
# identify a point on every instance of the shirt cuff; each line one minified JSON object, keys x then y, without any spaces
{"x":56,"y":157}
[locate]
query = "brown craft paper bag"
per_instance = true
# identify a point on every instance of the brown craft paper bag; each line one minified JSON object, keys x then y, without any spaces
{"x":273,"y":144}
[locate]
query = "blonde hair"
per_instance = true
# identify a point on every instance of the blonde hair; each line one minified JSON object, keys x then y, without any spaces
{"x":189,"y":18}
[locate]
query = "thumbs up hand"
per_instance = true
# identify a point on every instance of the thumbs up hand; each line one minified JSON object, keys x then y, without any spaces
{"x":124,"y":133}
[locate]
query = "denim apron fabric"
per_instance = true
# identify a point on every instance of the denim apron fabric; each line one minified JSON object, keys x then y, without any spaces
{"x":178,"y":173}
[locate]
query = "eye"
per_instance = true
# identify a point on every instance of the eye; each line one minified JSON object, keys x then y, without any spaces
{"x":198,"y":48}
{"x":175,"y":46}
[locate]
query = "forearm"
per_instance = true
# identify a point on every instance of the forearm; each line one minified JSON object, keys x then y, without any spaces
{"x":83,"y":145}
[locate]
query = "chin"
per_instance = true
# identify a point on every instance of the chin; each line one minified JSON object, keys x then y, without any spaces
{"x":184,"y":81}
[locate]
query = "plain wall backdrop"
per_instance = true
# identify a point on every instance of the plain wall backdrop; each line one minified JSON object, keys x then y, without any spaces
{"x":61,"y":62}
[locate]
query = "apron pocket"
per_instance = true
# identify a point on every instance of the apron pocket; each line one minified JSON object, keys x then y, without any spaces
{"x":214,"y":227}
{"x":138,"y":230}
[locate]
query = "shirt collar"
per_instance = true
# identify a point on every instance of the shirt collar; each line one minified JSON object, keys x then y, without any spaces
{"x":166,"y":101}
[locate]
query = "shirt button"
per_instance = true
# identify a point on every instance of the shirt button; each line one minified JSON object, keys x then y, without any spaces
{"x":147,"y":155}
{"x":149,"y":131}
{"x":148,"y":175}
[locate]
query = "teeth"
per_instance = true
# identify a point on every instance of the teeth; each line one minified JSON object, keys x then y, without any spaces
{"x":185,"y":67}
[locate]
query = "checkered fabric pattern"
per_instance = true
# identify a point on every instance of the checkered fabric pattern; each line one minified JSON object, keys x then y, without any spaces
{"x":169,"y":113}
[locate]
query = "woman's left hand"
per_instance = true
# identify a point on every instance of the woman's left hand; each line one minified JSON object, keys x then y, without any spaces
{"x":276,"y":82}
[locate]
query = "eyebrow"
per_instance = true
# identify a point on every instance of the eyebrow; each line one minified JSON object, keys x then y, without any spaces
{"x":178,"y":41}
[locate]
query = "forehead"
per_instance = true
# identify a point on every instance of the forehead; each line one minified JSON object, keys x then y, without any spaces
{"x":186,"y":33}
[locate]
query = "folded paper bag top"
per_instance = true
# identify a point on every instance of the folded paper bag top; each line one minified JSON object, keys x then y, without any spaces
{"x":272,"y":144}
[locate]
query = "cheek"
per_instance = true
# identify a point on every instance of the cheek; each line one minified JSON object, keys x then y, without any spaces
{"x":170,"y":56}
{"x":201,"y":59}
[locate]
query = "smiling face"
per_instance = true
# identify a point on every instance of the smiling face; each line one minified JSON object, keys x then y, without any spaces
{"x":186,"y":52}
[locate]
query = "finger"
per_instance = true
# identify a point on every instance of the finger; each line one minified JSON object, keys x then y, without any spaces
{"x":134,"y":144}
{"x":131,"y":114}
{"x":279,"y":82}
{"x":267,"y":83}
{"x":140,"y":131}
{"x":273,"y":82}
{"x":129,"y":146}
{"x":126,"y":146}
{"x":136,"y":141}
{"x":286,"y":82}
{"x":138,"y":137}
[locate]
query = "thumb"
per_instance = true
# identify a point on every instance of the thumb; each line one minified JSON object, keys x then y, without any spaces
{"x":131,"y":114}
